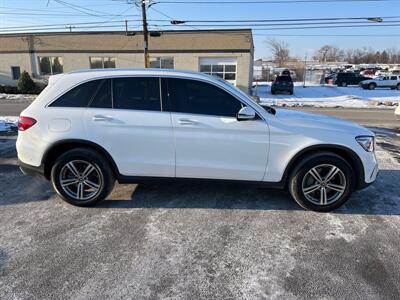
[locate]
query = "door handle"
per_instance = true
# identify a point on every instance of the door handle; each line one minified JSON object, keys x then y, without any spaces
{"x":187,"y":122}
{"x":98,"y":118}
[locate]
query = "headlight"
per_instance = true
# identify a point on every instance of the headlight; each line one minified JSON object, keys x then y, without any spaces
{"x":367,"y":142}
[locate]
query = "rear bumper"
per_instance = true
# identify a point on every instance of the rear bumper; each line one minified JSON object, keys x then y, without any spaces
{"x":31,"y":170}
{"x":282,"y":88}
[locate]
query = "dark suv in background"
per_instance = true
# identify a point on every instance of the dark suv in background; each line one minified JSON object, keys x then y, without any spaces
{"x":351,"y":78}
{"x":282,"y":84}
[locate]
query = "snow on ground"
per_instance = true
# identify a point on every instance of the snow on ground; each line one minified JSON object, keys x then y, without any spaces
{"x":8,"y":124}
{"x":16,"y":97}
{"x":329,"y":96}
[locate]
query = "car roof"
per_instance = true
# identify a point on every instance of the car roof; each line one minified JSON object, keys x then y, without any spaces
{"x":95,"y":73}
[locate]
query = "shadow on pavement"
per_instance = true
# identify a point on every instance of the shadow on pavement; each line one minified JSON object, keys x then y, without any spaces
{"x":3,"y":261}
{"x":382,"y":198}
{"x":15,"y":188}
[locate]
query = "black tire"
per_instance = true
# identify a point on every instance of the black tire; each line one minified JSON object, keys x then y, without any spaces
{"x":371,"y":86}
{"x":102,"y":172}
{"x":273,"y":92}
{"x":398,"y":86}
{"x":298,"y":177}
{"x":343,"y":84}
{"x":291,"y":92}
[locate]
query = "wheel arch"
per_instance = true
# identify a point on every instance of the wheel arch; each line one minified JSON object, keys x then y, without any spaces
{"x":346,"y":153}
{"x":58,"y":148}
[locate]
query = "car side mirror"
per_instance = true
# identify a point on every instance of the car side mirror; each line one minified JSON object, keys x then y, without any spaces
{"x":245,"y":114}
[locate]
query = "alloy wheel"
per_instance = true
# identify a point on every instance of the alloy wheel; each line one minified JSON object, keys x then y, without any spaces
{"x":80,"y":180}
{"x":324,"y":184}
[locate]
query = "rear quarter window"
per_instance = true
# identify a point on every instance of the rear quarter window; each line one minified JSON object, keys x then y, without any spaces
{"x":79,"y":96}
{"x":137,"y":93}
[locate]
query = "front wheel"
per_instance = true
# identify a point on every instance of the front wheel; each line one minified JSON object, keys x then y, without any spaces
{"x":82,"y":177}
{"x":398,"y":87}
{"x":372,"y":86}
{"x":343,"y":84}
{"x":322,"y":182}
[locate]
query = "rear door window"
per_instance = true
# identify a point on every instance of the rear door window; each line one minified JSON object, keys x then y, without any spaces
{"x":79,"y":96}
{"x":137,"y":93}
{"x":197,"y":97}
{"x":102,"y":98}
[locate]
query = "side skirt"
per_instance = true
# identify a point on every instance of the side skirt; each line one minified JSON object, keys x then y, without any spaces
{"x":145,"y":179}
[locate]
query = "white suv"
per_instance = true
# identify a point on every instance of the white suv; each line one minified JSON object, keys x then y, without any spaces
{"x":389,"y":81}
{"x":90,"y":128}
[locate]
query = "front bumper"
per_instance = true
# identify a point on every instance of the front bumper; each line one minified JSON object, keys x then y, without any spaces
{"x":371,"y":179}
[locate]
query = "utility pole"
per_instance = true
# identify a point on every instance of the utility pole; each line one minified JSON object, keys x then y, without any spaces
{"x":145,"y":35}
{"x":305,"y":71}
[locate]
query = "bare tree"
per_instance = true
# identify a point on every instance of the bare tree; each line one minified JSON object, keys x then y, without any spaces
{"x":280,"y":51}
{"x":329,"y":53}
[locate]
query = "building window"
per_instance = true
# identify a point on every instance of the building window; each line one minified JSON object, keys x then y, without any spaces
{"x":162,"y":62}
{"x":50,"y":65}
{"x":224,"y":68}
{"x":102,"y":62}
{"x":16,"y":73}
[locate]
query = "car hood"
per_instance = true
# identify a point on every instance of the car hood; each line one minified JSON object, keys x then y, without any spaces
{"x":299,"y":120}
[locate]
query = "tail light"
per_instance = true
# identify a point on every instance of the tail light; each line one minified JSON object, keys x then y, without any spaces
{"x":24,"y":123}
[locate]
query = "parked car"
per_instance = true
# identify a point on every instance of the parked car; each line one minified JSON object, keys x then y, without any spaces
{"x":368,"y":72}
{"x":282,"y":84}
{"x":285,"y":72}
{"x":351,"y":78}
{"x":391,"y":81}
{"x":88,"y":129}
{"x":330,"y":78}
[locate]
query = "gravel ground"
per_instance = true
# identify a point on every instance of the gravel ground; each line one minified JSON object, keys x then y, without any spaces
{"x":199,"y":241}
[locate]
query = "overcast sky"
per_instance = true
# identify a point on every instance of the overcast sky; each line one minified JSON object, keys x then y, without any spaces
{"x":38,"y":12}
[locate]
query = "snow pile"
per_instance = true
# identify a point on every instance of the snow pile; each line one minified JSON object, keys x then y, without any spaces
{"x":8,"y":124}
{"x":330,"y":96}
{"x":16,"y":97}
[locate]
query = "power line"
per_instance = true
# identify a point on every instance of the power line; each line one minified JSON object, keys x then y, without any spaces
{"x":283,"y":24}
{"x":87,"y":11}
{"x":171,"y":18}
{"x":202,"y":21}
{"x":287,"y":20}
{"x":327,"y":27}
{"x":264,"y":1}
{"x":328,"y":35}
{"x":44,"y":26}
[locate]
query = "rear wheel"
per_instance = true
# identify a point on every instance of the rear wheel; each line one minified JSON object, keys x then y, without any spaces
{"x":322,"y":182}
{"x":82,"y":177}
{"x":398,"y":86}
{"x":273,"y":92}
{"x":343,"y":84}
{"x":372,"y":86}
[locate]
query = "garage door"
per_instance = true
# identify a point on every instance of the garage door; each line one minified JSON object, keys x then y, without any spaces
{"x":223,"y":67}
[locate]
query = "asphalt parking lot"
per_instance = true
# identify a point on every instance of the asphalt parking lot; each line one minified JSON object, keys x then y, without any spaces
{"x":198,"y":241}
